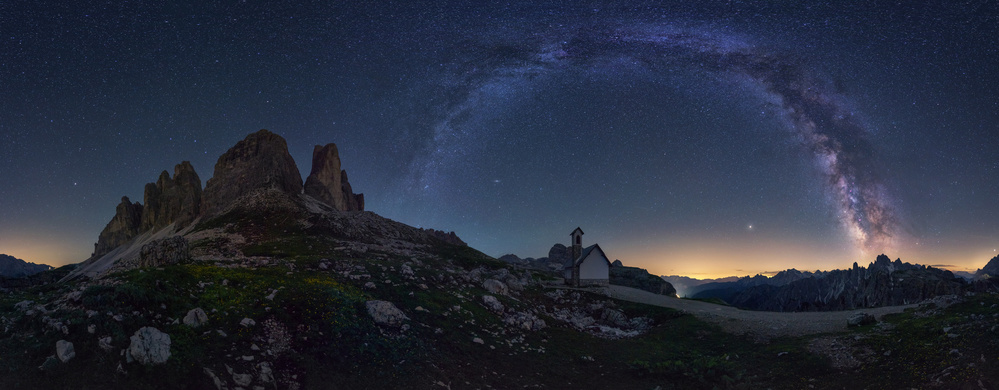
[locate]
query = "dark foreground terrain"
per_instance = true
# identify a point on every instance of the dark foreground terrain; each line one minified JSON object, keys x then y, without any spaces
{"x":310,"y":327}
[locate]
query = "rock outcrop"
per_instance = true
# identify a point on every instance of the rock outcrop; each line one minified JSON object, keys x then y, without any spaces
{"x":328,"y":182}
{"x":164,"y":252}
{"x":990,"y":270}
{"x":12,"y":267}
{"x":124,"y":226}
{"x":495,"y":286}
{"x":641,"y":279}
{"x":559,"y":254}
{"x":258,"y":162}
{"x":172,"y":200}
{"x":448,"y":237}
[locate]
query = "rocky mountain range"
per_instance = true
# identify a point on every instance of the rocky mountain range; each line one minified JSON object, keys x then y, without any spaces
{"x":882,"y":283}
{"x":725,"y":288}
{"x":12,"y":267}
{"x":257,"y":174}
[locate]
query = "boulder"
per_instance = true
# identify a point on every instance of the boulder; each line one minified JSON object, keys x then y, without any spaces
{"x":492,"y":303}
{"x":260,"y":161}
{"x":105,"y":343}
{"x":172,"y":200}
{"x":148,"y":346}
{"x":124,"y":226}
{"x":495,"y":286}
{"x":525,"y":321}
{"x":385,"y":313}
{"x":196,"y":317}
{"x":65,"y":351}
{"x":328,"y":183}
{"x":265,"y":372}
{"x":860,"y":319}
{"x":614,"y":317}
{"x":164,"y":252}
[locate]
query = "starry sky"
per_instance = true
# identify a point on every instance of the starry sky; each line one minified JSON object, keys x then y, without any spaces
{"x":704,"y":139}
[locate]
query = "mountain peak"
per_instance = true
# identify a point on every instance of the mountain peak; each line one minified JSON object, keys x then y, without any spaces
{"x":259,"y":161}
{"x":328,"y":182}
{"x":991,"y":268}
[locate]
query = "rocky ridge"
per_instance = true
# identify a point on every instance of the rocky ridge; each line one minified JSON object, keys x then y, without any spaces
{"x":641,"y":279}
{"x":990,"y":270}
{"x":256,"y":179}
{"x":882,"y":283}
{"x":172,"y":200}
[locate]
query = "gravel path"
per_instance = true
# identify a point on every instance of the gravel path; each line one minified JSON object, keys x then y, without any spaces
{"x":762,"y":324}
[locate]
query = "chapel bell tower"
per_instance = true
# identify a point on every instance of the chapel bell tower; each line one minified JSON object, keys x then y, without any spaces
{"x":577,"y":243}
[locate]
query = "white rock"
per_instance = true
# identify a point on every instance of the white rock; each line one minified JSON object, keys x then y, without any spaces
{"x":385,"y":313}
{"x":196,"y":317}
{"x":495,"y":286}
{"x":105,"y":343}
{"x":64,"y":350}
{"x":478,"y":341}
{"x":247,"y":322}
{"x":149,"y":346}
{"x":492,"y":303}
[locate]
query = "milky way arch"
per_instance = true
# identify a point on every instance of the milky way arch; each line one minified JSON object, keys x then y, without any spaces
{"x":814,"y":115}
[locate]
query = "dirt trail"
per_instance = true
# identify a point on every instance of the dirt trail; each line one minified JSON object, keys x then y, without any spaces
{"x":762,"y":324}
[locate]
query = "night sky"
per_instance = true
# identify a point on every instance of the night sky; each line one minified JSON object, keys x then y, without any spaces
{"x":694,"y":138}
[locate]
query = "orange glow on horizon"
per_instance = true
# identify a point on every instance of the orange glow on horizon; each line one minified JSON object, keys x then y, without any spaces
{"x":44,"y":249}
{"x":711,"y":259}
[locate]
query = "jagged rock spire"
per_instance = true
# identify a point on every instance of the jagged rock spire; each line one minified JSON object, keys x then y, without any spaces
{"x":328,"y":183}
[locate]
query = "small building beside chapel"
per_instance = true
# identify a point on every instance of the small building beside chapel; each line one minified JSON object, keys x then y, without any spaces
{"x":587,"y":266}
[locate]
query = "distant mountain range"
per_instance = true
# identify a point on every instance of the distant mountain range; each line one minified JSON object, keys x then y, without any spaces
{"x":882,"y":283}
{"x":686,"y":286}
{"x":12,"y":267}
